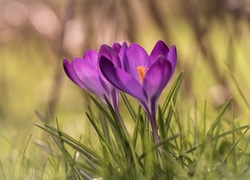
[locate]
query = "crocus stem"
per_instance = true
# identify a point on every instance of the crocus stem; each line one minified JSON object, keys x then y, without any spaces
{"x":152,"y":118}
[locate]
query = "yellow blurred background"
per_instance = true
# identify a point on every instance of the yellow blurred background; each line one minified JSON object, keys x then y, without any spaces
{"x":212,"y":40}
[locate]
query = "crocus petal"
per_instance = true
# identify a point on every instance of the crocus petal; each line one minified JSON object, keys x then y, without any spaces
{"x":105,"y":84}
{"x":122,"y":53}
{"x":160,"y":48}
{"x":111,"y":54}
{"x":89,"y":76}
{"x":157,"y":77}
{"x":121,"y":79}
{"x":172,"y":57}
{"x":117,"y":47}
{"x":68,"y":68}
{"x":135,"y":56}
{"x":111,"y":92}
{"x":120,"y":50}
{"x":91,"y":57}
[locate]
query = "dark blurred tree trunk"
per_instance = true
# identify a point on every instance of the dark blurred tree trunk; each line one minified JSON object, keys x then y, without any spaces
{"x":56,"y":86}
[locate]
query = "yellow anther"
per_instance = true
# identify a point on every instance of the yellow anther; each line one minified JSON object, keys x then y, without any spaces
{"x":141,"y":73}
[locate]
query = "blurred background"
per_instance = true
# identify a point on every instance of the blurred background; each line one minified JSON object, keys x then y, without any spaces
{"x":212,"y":40}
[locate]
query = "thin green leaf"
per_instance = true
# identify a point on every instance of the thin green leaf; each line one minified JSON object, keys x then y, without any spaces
{"x":161,"y":123}
{"x":40,"y":117}
{"x":2,"y":174}
{"x":71,"y":141}
{"x":238,"y":87}
{"x":209,"y":134}
{"x":128,"y":146}
{"x":67,"y":157}
{"x":136,"y":128}
{"x":100,"y":107}
{"x":236,"y":144}
{"x":105,"y":134}
{"x":129,"y":106}
{"x":23,"y":157}
{"x":218,"y":137}
{"x":173,"y":92}
{"x":208,"y":137}
{"x":172,"y":96}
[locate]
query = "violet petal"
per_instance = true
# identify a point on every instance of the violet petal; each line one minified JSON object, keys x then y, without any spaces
{"x":68,"y":68}
{"x":157,"y":77}
{"x":89,"y":75}
{"x":135,"y":56}
{"x":116,"y":47}
{"x":110,"y":54}
{"x":160,"y":48}
{"x":172,"y":57}
{"x":91,"y":57}
{"x":121,"y":79}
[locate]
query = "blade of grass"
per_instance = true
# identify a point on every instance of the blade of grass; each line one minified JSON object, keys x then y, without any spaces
{"x":100,"y":135}
{"x":204,"y":116}
{"x":23,"y":157}
{"x":172,"y":96}
{"x":105,"y":129}
{"x":71,"y":141}
{"x":128,"y":146}
{"x":109,"y":159}
{"x":68,"y":159}
{"x":209,"y":134}
{"x":40,"y":117}
{"x":136,"y":128}
{"x":208,"y":137}
{"x":218,"y":137}
{"x":237,"y":86}
{"x":129,"y":106}
{"x":173,"y":92}
{"x":233,"y":139}
{"x":162,"y":127}
{"x":236,"y":144}
{"x":2,"y":174}
{"x":157,"y":146}
{"x":100,"y":107}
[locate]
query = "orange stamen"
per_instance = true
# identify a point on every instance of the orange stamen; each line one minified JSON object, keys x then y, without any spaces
{"x":141,"y":73}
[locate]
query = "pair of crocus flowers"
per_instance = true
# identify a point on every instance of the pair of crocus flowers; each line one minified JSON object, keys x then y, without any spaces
{"x":126,"y":68}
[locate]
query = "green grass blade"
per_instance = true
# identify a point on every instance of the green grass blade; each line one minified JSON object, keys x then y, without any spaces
{"x":238,"y":87}
{"x":208,"y":137}
{"x":40,"y":117}
{"x":61,"y":138}
{"x":127,"y":145}
{"x":136,"y":128}
{"x":68,"y":159}
{"x":231,"y":150}
{"x":129,"y":106}
{"x":105,"y":129}
{"x":72,"y":142}
{"x":98,"y":131}
{"x":23,"y":157}
{"x":218,"y":137}
{"x":172,"y":96}
{"x":2,"y":174}
{"x":173,"y":92}
{"x":100,"y":107}
{"x":161,"y":124}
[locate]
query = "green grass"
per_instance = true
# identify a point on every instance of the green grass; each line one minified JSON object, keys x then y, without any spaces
{"x":184,"y":151}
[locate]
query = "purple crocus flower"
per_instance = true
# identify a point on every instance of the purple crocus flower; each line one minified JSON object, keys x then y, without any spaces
{"x":143,"y":76}
{"x":85,"y":72}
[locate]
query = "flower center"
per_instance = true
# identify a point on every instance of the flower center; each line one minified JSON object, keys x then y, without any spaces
{"x":141,"y":73}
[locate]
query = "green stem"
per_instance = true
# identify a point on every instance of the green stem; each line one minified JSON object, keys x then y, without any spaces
{"x":152,"y":117}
